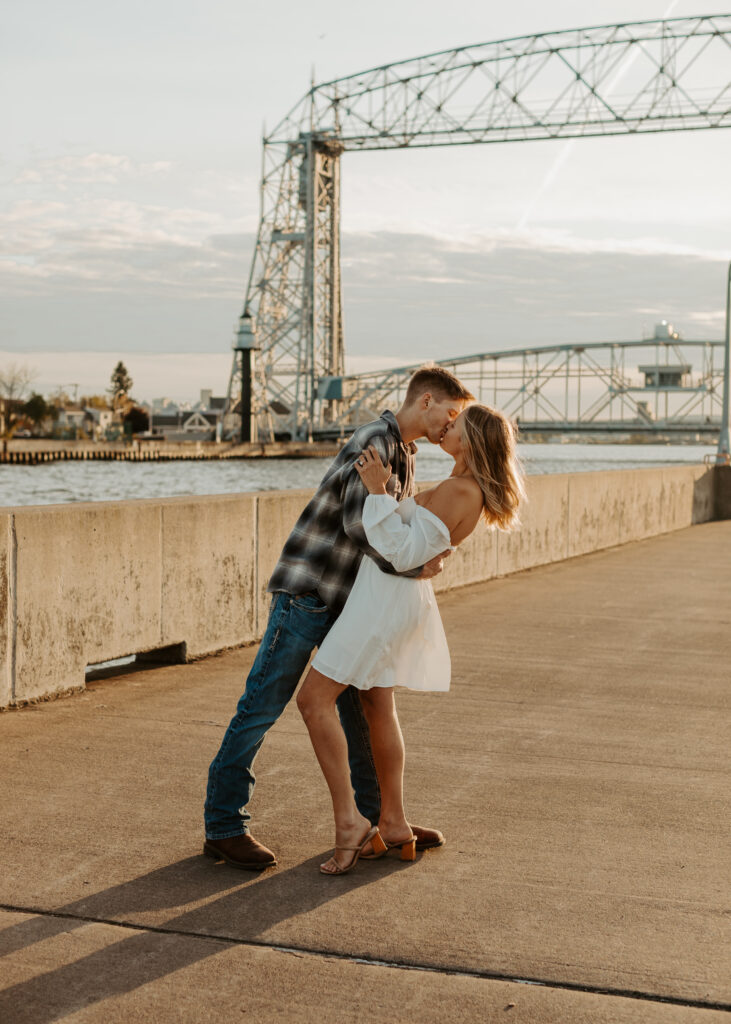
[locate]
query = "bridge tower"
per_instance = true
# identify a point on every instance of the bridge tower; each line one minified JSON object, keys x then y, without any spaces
{"x":555,"y":85}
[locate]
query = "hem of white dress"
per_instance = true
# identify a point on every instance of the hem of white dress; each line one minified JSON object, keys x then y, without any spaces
{"x":338,"y":677}
{"x":324,"y":670}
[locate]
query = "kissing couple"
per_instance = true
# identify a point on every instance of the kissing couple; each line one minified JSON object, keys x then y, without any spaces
{"x":354,"y":581}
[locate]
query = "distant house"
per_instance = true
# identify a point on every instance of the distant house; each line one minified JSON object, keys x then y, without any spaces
{"x":201,"y":421}
{"x":183,"y":423}
{"x":210,"y":402}
{"x":185,"y":426}
{"x":205,"y":416}
{"x":92,"y":421}
{"x":70,"y":417}
{"x":97,"y":421}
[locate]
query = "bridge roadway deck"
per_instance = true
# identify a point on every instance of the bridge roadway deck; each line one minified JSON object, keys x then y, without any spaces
{"x":577,"y":768}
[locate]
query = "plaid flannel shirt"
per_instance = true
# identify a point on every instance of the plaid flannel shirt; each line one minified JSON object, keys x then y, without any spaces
{"x":324,"y":549}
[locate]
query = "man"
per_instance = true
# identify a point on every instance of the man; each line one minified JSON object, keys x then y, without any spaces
{"x":310,"y":585}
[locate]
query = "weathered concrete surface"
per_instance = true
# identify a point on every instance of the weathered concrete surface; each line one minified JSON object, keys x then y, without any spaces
{"x":278,"y":511}
{"x":208,"y":598}
{"x":543,"y":535}
{"x":84,"y":973}
{"x":7,"y":617}
{"x":88,"y":589}
{"x":103,"y":580}
{"x":578,"y":767}
{"x":722,"y":492}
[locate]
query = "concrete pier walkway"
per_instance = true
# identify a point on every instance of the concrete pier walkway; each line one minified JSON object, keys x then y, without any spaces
{"x":578,"y":767}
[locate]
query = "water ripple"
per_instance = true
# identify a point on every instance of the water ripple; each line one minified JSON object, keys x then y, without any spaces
{"x":54,"y":482}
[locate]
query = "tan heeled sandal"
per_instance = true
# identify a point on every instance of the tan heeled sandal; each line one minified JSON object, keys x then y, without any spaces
{"x":406,"y":846}
{"x":372,"y":836}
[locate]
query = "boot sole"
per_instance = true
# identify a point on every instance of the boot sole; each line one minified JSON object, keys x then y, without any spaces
{"x":244,"y":865}
{"x":420,"y":848}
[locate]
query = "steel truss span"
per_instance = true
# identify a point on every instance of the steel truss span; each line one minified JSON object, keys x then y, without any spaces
{"x":651,"y":387}
{"x":652,"y":76}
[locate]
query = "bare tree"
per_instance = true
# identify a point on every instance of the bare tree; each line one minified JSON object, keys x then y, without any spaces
{"x":15,"y":381}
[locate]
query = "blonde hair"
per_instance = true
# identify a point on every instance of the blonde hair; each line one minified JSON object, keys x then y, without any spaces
{"x":489,"y":444}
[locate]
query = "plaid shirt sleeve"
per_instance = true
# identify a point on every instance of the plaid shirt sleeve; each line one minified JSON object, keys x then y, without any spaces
{"x":327,"y":542}
{"x":353,"y":496}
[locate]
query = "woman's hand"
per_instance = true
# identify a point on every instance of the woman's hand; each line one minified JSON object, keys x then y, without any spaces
{"x":372,"y":471}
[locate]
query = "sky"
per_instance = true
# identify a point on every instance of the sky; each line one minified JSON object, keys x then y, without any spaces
{"x":129,"y":187}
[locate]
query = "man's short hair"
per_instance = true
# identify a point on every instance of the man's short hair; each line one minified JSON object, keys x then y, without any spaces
{"x":439,"y":382}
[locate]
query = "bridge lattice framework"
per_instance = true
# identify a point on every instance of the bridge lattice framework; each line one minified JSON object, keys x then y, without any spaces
{"x":652,"y":386}
{"x":288,"y":373}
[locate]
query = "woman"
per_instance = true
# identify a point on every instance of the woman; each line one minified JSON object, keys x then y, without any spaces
{"x":390,"y":632}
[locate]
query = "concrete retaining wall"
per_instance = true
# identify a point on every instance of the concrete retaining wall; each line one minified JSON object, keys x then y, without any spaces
{"x":89,"y":582}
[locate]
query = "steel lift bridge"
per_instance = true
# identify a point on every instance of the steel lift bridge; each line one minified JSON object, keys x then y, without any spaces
{"x":288,"y":376}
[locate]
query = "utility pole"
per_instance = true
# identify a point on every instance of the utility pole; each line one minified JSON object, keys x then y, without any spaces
{"x":723,"y":455}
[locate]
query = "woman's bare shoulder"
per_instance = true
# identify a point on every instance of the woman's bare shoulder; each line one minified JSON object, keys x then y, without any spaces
{"x":456,"y":494}
{"x":459,"y":485}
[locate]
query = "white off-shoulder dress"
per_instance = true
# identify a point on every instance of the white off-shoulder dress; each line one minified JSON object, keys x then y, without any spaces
{"x":390,"y":632}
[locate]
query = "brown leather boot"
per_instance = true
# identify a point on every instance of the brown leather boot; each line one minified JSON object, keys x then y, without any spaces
{"x":427,"y":838}
{"x":241,"y":852}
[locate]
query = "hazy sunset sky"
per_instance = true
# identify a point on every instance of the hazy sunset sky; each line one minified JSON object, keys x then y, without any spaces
{"x":130,"y":158}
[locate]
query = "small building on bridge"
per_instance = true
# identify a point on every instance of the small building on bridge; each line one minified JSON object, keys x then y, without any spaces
{"x":663,"y":376}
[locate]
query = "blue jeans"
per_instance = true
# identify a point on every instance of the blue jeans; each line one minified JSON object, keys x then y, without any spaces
{"x":297,"y":624}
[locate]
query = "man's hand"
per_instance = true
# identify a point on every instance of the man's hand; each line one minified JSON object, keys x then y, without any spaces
{"x":434,"y":566}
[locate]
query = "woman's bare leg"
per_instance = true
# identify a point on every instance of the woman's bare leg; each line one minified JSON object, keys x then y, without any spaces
{"x":316,"y":702}
{"x":387,"y":744}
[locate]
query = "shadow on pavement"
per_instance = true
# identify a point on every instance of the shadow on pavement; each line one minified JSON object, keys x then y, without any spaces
{"x":248,"y":908}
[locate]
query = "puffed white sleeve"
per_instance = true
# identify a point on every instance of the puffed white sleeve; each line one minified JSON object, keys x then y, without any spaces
{"x":404,"y":545}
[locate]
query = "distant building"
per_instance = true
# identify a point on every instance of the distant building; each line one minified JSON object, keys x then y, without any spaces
{"x":181,"y":422}
{"x":665,"y":331}
{"x":97,"y":421}
{"x":210,"y":407}
{"x":70,"y":417}
{"x":185,"y":426}
{"x":90,"y":420}
{"x":210,"y":403}
{"x":163,"y":406}
{"x":664,"y":376}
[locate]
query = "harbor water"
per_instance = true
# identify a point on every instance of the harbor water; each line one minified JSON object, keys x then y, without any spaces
{"x":58,"y":482}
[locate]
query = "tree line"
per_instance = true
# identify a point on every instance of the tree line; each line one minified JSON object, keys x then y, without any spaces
{"x":15,"y":383}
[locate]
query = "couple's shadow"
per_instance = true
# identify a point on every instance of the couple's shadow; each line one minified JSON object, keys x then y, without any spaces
{"x":243,"y":909}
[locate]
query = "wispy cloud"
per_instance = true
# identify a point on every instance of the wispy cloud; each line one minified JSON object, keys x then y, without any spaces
{"x":403,"y":293}
{"x":83,"y":224}
{"x":88,"y":169}
{"x":113,"y":245}
{"x":89,"y":258}
{"x":105,"y":222}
